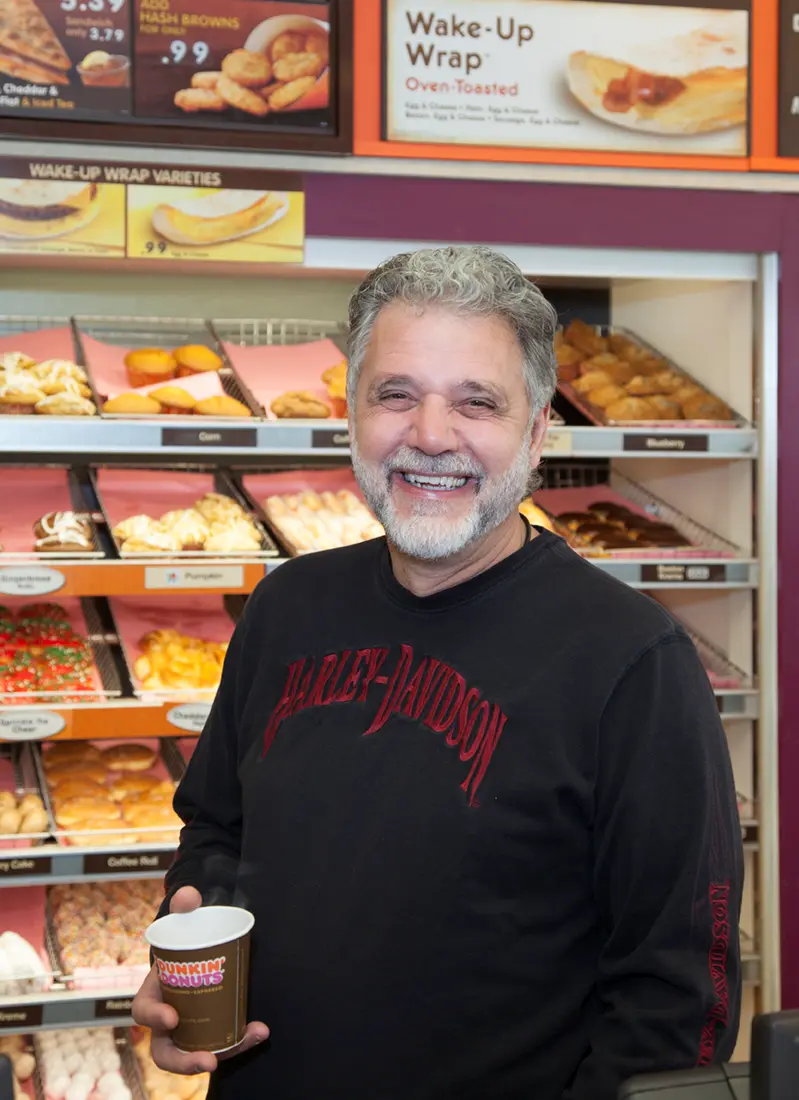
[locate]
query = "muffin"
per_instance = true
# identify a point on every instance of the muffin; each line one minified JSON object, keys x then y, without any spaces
{"x":148,"y":365}
{"x":195,"y":359}
{"x":175,"y":400}
{"x":221,"y":406}
{"x":132,"y":404}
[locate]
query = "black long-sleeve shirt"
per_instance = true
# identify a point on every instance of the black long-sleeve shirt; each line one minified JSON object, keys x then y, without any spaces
{"x":489,"y":836}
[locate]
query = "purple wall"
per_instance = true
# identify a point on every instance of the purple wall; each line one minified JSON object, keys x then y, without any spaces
{"x":615,"y":217}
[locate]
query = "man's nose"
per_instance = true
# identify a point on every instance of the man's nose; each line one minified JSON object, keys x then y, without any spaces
{"x":432,"y":429}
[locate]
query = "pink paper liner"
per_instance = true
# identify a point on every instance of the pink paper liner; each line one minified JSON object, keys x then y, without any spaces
{"x":107,"y":366}
{"x":28,"y":495}
{"x":186,"y":747}
{"x":158,"y":769}
{"x":556,"y":501}
{"x":74,"y":611}
{"x":260,"y":486}
{"x":46,"y":343}
{"x":23,"y":912}
{"x":270,"y":370}
{"x":107,"y":977}
{"x":203,"y":616}
{"x":126,"y":493}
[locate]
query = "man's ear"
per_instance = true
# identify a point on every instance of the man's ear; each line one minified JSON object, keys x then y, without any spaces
{"x":538,"y":436}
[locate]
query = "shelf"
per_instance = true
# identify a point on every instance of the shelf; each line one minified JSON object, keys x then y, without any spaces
{"x":52,"y":863}
{"x":183,"y":438}
{"x":62,"y":1008}
{"x":211,"y":576}
{"x":771,"y":174}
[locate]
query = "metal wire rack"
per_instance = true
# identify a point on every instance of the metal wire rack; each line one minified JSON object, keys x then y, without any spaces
{"x":22,"y":760}
{"x":78,"y":505}
{"x":222,"y":484}
{"x":598,"y":416}
{"x":696,"y":533}
{"x":111,"y":685}
{"x":162,"y":332}
{"x":250,"y":333}
{"x":19,"y":324}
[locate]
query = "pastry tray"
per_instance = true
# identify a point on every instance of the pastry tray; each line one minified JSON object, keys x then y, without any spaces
{"x":19,"y":772}
{"x":705,"y":544}
{"x":598,"y":417}
{"x":164,"y":694}
{"x":126,"y":1068}
{"x":161,"y":332}
{"x":170,"y":760}
{"x":78,"y":504}
{"x":221,"y":484}
{"x":291,"y":482}
{"x":273,"y":331}
{"x":28,"y":326}
{"x":109,"y":685}
{"x":87,"y":978}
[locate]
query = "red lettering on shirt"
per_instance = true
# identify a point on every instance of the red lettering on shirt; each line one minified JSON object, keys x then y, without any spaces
{"x":423,"y":690}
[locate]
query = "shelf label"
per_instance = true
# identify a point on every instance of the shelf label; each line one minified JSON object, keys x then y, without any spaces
{"x":665,"y":444}
{"x":682,"y":573}
{"x":327,"y":437}
{"x":209,"y":437}
{"x":20,"y":1017}
{"x":557,"y":442}
{"x":22,"y":866}
{"x":111,"y":1009}
{"x":190,"y":717}
{"x":115,"y":863}
{"x":30,"y":725}
{"x":29,"y":580}
{"x":194,"y":576}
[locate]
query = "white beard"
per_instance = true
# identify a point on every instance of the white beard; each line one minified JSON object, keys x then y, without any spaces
{"x":428,"y":534}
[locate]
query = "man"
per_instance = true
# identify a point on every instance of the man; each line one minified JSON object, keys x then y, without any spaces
{"x":476,"y":793}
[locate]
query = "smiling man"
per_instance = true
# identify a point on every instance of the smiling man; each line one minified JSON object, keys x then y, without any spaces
{"x":476,"y":793}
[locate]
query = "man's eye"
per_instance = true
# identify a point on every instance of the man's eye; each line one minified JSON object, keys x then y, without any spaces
{"x":394,"y":395}
{"x":479,"y":403}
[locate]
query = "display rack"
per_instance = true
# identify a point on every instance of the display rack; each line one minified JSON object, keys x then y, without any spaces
{"x":706,"y":311}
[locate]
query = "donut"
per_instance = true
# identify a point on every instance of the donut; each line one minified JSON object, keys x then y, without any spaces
{"x":129,"y":758}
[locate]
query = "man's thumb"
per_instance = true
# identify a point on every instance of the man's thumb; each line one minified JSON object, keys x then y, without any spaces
{"x":185,"y":899}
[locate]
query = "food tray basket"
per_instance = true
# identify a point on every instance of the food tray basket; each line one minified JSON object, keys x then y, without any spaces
{"x":89,"y":978}
{"x":169,"y":760}
{"x":705,"y":544}
{"x":221,"y":484}
{"x":108,"y":686}
{"x":598,"y":416}
{"x":163,"y":694}
{"x":284,"y":331}
{"x":162,"y":332}
{"x":78,"y":504}
{"x":26,"y":325}
{"x":722,"y":673}
{"x":19,"y":771}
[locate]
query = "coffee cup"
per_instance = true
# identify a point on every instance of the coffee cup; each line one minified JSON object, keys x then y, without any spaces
{"x":202,"y":961}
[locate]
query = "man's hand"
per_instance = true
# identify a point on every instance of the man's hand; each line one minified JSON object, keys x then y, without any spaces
{"x":150,"y":1011}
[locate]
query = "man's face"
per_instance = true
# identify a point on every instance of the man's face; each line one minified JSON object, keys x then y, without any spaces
{"x":442,"y":446}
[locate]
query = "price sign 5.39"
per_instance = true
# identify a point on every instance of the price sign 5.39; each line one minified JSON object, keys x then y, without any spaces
{"x":73,"y":59}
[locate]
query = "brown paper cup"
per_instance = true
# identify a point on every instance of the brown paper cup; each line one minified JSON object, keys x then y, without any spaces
{"x":203,"y":960}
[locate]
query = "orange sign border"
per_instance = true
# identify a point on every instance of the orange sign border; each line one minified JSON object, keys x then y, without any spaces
{"x":367,"y":140}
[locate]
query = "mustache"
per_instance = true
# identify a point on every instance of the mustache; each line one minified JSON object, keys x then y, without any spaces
{"x":410,"y":461}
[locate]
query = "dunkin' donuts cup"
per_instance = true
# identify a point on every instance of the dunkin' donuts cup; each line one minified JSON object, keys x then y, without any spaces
{"x":202,"y":959}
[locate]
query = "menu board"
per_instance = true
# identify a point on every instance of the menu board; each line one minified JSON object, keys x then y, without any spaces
{"x":237,"y":64}
{"x":569,"y":74}
{"x":253,"y":66}
{"x":65,"y":58}
{"x":140,"y":212}
{"x":789,"y":79}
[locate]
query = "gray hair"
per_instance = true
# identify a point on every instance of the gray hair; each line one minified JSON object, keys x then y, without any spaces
{"x":471,"y":279}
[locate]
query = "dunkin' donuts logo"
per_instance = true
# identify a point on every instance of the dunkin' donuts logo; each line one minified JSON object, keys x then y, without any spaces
{"x":191,"y":975}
